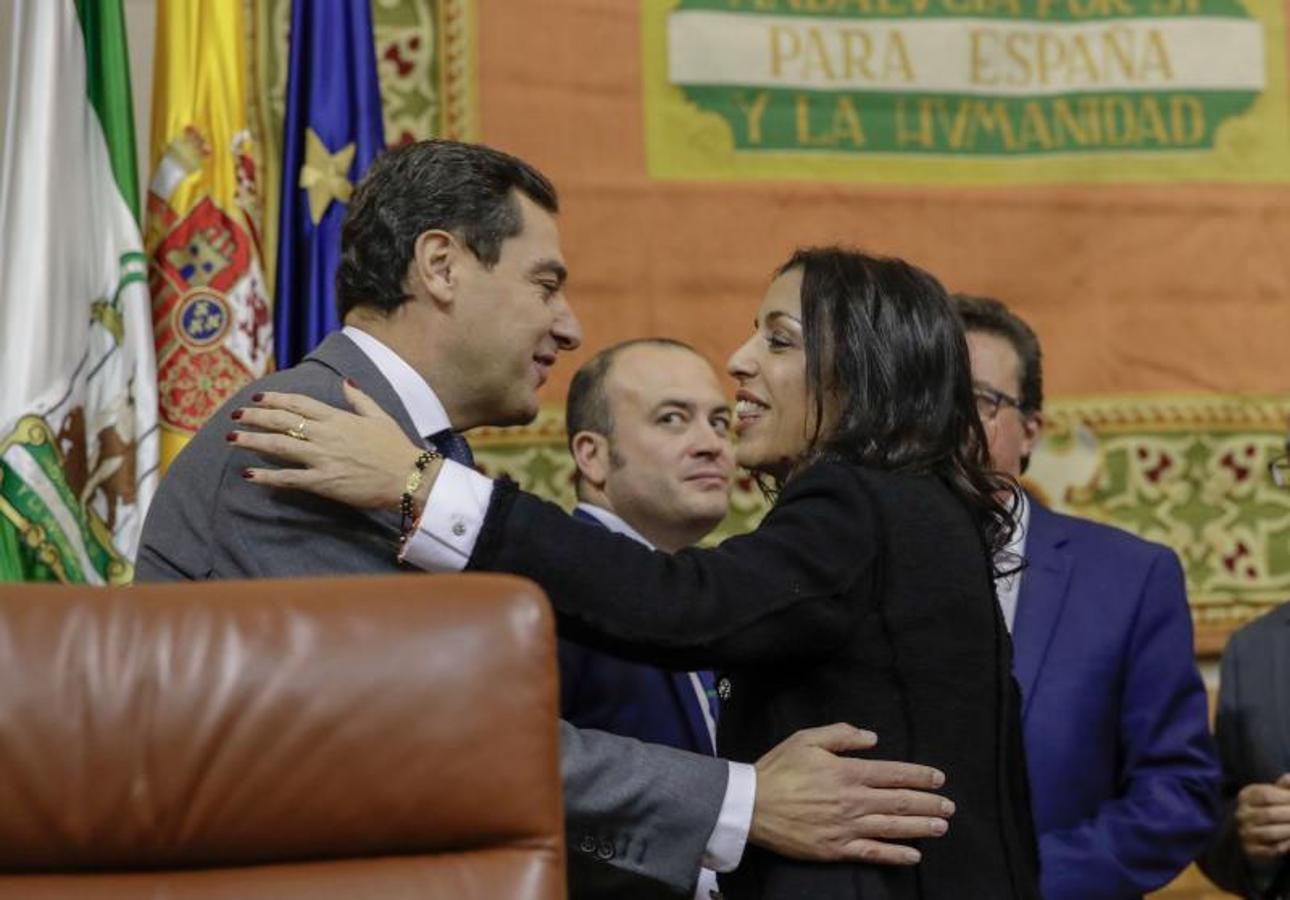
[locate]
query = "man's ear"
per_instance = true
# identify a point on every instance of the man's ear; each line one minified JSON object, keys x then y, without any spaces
{"x":434,"y":259}
{"x":591,"y":456}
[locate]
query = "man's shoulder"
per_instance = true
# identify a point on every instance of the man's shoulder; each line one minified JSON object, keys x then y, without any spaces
{"x":199,"y":468}
{"x":208,"y":444}
{"x":318,"y":375}
{"x":1273,"y":625}
{"x":1109,"y":543}
{"x":310,"y":378}
{"x":307,"y":377}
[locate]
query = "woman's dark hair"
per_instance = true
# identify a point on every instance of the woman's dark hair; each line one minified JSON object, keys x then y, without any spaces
{"x":885,"y":350}
{"x":466,"y":189}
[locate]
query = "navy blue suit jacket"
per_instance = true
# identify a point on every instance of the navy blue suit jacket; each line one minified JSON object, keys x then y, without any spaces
{"x":1122,"y":768}
{"x":605,"y":692}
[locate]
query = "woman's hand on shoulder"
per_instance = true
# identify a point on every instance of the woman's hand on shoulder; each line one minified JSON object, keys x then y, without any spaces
{"x":360,"y":458}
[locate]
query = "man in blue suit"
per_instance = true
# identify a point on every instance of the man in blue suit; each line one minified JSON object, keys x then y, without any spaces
{"x":1122,"y":768}
{"x":649,"y":431}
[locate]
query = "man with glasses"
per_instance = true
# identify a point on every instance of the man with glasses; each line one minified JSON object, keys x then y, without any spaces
{"x":1279,"y":468}
{"x":1122,"y":770}
{"x":1250,"y":854}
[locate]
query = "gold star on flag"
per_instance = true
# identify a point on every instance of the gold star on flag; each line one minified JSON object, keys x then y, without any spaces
{"x":325,"y":175}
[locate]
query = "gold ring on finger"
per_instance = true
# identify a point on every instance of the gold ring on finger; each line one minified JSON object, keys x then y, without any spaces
{"x":298,"y":432}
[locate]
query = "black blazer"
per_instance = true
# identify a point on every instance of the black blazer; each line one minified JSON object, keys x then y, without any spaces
{"x":863,"y":597}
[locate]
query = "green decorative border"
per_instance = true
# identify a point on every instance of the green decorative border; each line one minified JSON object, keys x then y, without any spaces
{"x":1186,"y":471}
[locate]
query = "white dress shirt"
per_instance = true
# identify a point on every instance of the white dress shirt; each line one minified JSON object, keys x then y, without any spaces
{"x":445,"y":537}
{"x":1008,"y":587}
{"x":428,"y":415}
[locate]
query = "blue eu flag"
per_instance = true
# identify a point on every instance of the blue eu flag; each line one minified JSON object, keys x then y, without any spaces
{"x":331,"y":133}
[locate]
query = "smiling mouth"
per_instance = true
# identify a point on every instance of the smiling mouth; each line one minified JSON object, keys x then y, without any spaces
{"x":748,"y":411}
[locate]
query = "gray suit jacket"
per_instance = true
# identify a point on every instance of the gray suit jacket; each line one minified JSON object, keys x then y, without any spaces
{"x":1253,"y":733}
{"x":644,"y":809}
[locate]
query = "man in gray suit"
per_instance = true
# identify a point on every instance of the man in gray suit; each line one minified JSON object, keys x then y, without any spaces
{"x":1250,"y":854}
{"x":451,"y":288}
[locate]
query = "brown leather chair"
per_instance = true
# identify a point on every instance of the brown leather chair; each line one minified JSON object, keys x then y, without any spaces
{"x":389,"y":737}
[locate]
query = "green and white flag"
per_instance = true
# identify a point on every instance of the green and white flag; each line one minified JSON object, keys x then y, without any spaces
{"x":78,"y":392}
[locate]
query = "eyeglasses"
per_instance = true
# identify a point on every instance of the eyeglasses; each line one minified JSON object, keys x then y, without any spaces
{"x":989,"y":402}
{"x":1279,"y":468}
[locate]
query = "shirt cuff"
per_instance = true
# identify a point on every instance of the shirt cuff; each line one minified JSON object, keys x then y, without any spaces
{"x":730,"y":835}
{"x":445,"y":535}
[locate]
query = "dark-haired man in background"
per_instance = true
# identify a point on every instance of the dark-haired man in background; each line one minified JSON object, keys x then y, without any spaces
{"x":451,"y":290}
{"x":1122,"y":771}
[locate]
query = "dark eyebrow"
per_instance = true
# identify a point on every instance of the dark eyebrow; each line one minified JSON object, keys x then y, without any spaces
{"x":551,"y":266}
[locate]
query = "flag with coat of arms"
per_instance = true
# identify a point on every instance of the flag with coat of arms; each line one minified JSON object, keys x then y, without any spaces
{"x":211,"y":306}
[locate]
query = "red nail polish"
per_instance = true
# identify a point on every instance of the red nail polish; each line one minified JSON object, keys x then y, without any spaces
{"x":237,"y":414}
{"x":351,"y":382}
{"x":231,"y":437}
{"x":256,"y":398}
{"x":248,"y":474}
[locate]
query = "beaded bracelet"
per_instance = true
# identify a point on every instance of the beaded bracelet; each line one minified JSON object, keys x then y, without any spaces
{"x":410,"y":488}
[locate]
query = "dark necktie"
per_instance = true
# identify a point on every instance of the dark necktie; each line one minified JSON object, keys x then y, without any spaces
{"x":453,"y":446}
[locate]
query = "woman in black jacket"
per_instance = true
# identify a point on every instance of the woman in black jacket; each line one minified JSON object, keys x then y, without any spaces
{"x":866,"y":594}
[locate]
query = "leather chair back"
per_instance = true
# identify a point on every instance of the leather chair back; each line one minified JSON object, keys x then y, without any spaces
{"x":376,"y":737}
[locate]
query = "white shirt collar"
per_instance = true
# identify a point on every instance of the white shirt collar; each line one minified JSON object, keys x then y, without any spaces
{"x":613,"y":522}
{"x":419,"y":399}
{"x":1008,"y":587}
{"x":1021,"y":518}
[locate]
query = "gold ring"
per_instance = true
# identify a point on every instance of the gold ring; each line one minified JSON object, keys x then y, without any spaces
{"x":298,"y":431}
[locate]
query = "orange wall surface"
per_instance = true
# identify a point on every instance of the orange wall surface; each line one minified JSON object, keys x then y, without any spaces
{"x":1131,"y":288}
